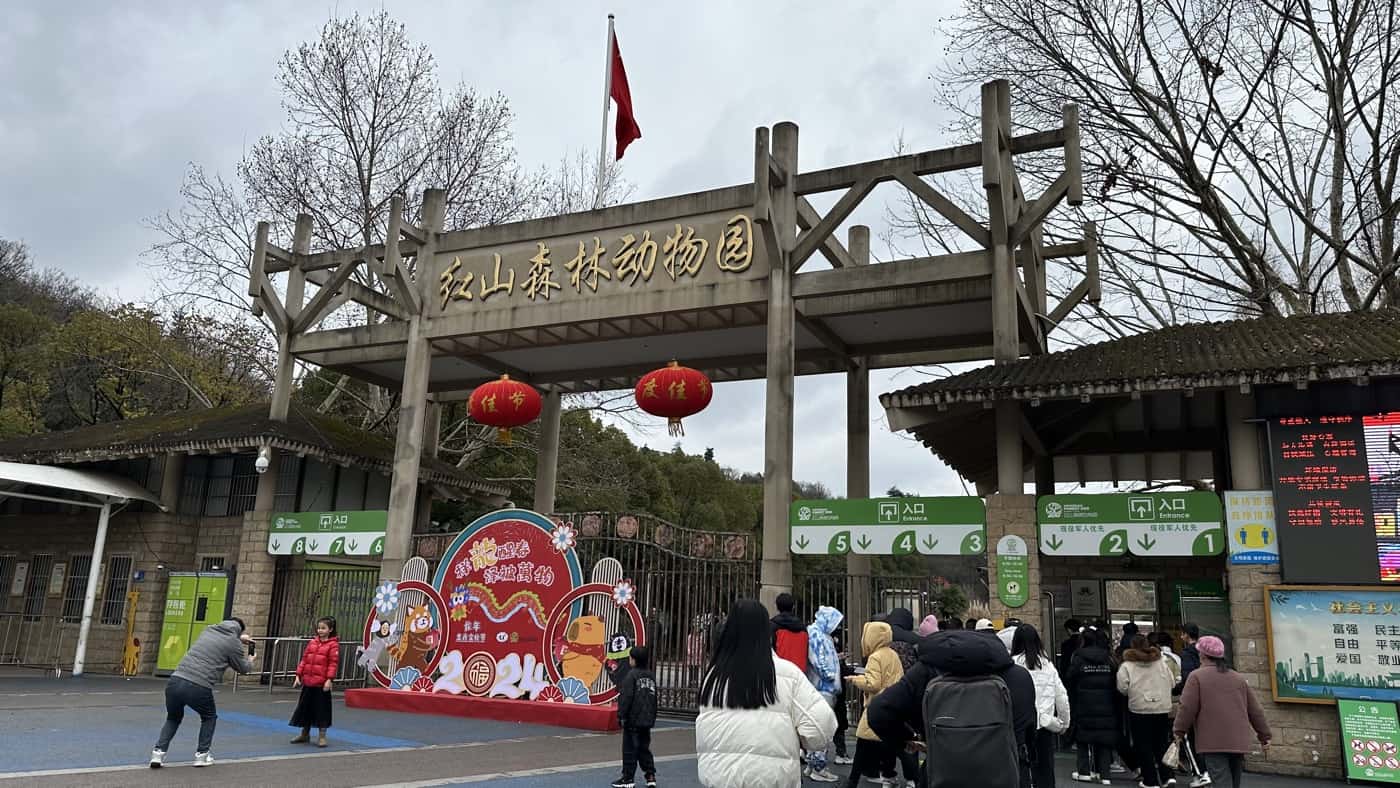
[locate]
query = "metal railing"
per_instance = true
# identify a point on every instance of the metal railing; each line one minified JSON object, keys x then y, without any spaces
{"x":34,"y":641}
{"x":280,"y":656}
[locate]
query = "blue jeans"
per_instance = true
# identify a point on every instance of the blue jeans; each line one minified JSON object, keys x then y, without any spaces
{"x":179,"y":694}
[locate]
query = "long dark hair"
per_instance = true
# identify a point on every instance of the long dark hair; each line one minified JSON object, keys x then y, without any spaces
{"x":741,"y":674}
{"x":1026,"y":642}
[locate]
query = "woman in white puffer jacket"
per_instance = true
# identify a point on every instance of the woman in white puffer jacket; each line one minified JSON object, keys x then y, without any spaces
{"x":757,"y":711}
{"x":1051,"y":702}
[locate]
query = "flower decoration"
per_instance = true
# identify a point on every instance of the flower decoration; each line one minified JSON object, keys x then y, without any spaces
{"x":404,"y":678}
{"x":623,"y":593}
{"x":574,"y":690}
{"x":563,"y":537}
{"x":421,"y":684}
{"x":386,"y":598}
{"x":451,"y":667}
{"x":550,"y":694}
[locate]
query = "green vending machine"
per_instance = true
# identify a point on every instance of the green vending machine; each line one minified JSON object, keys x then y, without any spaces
{"x":193,"y":601}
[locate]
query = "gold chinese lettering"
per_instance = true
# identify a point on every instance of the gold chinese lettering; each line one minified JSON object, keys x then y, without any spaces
{"x":488,"y":403}
{"x":636,"y":259}
{"x":584,"y":269}
{"x":683,"y":253}
{"x":1339,"y":607}
{"x":517,"y":399}
{"x":498,"y":286}
{"x":541,"y":276}
{"x":453,"y":287}
{"x":734,"y":253}
{"x":649,"y":390}
{"x":676,"y":389}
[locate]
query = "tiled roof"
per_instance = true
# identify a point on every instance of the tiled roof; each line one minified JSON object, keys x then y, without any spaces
{"x":1199,"y":355}
{"x":232,"y":429}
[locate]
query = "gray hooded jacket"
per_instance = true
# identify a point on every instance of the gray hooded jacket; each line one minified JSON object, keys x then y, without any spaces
{"x":213,"y":652}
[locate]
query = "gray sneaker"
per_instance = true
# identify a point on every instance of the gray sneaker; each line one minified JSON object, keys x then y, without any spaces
{"x":203,"y":759}
{"x":157,"y":758}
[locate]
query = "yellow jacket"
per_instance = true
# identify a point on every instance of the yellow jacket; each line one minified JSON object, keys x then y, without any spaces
{"x":882,"y":669}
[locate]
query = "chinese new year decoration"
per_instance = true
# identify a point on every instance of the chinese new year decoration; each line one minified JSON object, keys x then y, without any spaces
{"x":675,"y":392}
{"x":504,"y":404}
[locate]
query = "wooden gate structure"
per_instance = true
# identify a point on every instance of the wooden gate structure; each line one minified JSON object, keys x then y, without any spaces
{"x":591,"y":301}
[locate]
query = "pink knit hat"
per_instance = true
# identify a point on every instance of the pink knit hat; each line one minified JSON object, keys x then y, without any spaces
{"x":929,"y":625}
{"x":1211,"y":646}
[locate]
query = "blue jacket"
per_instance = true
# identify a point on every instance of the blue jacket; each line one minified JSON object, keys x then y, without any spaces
{"x":823,"y":667}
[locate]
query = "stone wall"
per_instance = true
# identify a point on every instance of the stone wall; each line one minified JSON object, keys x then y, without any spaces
{"x":220,"y":536}
{"x":149,"y":538}
{"x":252,"y":594}
{"x":1307,"y":737}
{"x":1013,"y":514}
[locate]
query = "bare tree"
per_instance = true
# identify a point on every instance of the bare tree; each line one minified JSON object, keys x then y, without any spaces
{"x":1241,"y":155}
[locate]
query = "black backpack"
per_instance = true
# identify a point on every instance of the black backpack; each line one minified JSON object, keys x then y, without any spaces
{"x":642,"y":712}
{"x":969,"y":732}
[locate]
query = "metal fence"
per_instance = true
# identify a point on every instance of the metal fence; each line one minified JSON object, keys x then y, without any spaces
{"x":35,"y":641}
{"x":300,"y":596}
{"x":280,"y":655}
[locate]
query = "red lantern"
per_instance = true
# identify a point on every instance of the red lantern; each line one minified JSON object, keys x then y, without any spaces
{"x":675,"y":392}
{"x":504,"y":404}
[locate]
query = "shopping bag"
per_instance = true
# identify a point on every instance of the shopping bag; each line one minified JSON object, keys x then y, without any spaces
{"x":1172,"y":757}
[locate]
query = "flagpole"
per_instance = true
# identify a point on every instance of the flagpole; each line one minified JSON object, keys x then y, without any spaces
{"x":607,"y":106}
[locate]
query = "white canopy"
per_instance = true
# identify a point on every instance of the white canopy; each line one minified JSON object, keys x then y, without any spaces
{"x":98,"y":488}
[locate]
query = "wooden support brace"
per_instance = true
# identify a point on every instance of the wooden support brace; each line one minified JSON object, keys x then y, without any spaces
{"x":1041,"y":208}
{"x":1073,"y":165}
{"x":1091,"y":261}
{"x":831,"y":249}
{"x":814,"y":237}
{"x":362,"y":295}
{"x":945,"y":207}
{"x":762,"y":197}
{"x":259,"y":259}
{"x":1071,"y":300}
{"x":825,"y":335}
{"x":331,"y":286}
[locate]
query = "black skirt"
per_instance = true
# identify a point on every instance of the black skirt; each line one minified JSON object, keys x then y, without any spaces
{"x":313,"y":708}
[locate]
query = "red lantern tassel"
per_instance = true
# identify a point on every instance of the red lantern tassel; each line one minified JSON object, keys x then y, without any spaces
{"x":503,"y":436}
{"x":675,"y":427}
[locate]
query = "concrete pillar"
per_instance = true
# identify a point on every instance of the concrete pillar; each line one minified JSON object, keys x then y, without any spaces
{"x":1246,"y":463}
{"x":1044,"y":475}
{"x":172,"y":482}
{"x":776,"y":570}
{"x":432,"y":435}
{"x":1011,"y":472}
{"x":857,"y":608}
{"x":547,"y":461}
{"x":413,"y":401}
{"x":252,"y":589}
{"x":1014,"y":514}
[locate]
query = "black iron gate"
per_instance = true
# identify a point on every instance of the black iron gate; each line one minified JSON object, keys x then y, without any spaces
{"x":302,"y":595}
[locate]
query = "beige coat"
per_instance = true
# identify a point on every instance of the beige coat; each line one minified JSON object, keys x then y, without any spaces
{"x":882,"y":669}
{"x":1147,"y":680}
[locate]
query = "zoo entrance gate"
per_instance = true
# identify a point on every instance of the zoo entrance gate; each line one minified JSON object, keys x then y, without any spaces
{"x":685,"y":580}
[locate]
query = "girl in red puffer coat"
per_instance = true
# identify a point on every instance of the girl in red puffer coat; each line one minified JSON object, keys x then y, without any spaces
{"x":316,"y":674}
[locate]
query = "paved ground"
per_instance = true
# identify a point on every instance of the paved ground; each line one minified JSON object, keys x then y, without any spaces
{"x":97,"y":731}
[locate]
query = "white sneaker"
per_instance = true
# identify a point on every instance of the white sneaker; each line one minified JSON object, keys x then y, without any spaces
{"x":824,"y":776}
{"x":843,"y":760}
{"x":1084,"y":778}
{"x":1114,"y":768}
{"x":157,"y":758}
{"x":1201,"y":780}
{"x":203,"y":759}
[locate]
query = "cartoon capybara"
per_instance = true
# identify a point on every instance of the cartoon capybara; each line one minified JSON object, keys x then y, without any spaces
{"x":584,"y":649}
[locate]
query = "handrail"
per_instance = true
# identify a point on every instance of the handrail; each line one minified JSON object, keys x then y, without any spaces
{"x":23,"y":637}
{"x":277,"y":666}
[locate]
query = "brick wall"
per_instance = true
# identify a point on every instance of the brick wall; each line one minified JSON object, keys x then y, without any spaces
{"x":252,"y":596}
{"x":1013,"y":514}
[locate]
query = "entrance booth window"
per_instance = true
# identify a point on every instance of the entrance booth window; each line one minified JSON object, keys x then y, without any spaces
{"x":1131,"y":601}
{"x":75,"y":587}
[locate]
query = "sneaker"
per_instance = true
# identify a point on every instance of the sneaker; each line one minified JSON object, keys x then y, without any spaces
{"x":1171,"y":782}
{"x":157,"y":758}
{"x":842,"y":760}
{"x":823,"y":776}
{"x":1200,"y":780}
{"x":621,"y":783}
{"x":1114,"y":768}
{"x":1105,"y":781}
{"x":651,"y":781}
{"x":203,"y":759}
{"x":1084,"y":778}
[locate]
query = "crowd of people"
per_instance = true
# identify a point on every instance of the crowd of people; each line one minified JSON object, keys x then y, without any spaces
{"x":968,"y":704}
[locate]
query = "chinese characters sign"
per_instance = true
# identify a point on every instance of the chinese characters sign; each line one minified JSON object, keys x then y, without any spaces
{"x":1249,"y":527}
{"x":1013,"y":571}
{"x":1370,"y":740}
{"x":889,"y":526}
{"x":1146,"y":524}
{"x":1328,"y":642}
{"x":696,"y":250}
{"x":328,"y":533}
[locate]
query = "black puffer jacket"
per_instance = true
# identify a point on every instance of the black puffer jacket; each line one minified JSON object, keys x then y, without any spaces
{"x":897,"y":714}
{"x":1093,"y":696}
{"x":906,"y":641}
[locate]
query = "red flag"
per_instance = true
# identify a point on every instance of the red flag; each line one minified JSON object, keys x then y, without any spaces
{"x":627,"y":128}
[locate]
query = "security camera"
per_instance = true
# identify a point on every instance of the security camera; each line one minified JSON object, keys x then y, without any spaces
{"x":263,"y":461}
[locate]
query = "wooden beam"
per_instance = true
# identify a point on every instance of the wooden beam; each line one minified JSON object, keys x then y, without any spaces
{"x":1071,"y":300}
{"x":1041,"y":208}
{"x":362,"y":295}
{"x":823,"y":229}
{"x":831,"y":249}
{"x":762,"y":197}
{"x":893,"y":276}
{"x":1069,"y":115}
{"x":824,"y":335}
{"x":332,"y":286}
{"x":946,"y":208}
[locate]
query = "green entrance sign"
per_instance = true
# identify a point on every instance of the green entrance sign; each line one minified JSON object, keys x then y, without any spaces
{"x":1145,"y":524}
{"x":328,"y":533}
{"x":889,"y":526}
{"x":1013,"y":571}
{"x":1370,"y":740}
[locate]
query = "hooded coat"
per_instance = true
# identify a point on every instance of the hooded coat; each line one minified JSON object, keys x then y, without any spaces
{"x":790,"y":639}
{"x":213,"y":652}
{"x":823,"y":666}
{"x":1093,"y":700}
{"x":882,"y":669}
{"x":1147,"y":681}
{"x":905,"y":641}
{"x":897,"y":714}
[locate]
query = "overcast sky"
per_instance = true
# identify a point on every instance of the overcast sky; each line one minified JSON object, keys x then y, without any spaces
{"x":103,"y":106}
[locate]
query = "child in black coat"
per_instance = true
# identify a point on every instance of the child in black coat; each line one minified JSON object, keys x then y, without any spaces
{"x":636,"y":711}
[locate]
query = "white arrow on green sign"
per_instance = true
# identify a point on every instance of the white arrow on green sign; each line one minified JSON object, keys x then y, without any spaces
{"x":1145,"y":524}
{"x":327,"y":533}
{"x":889,"y":526}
